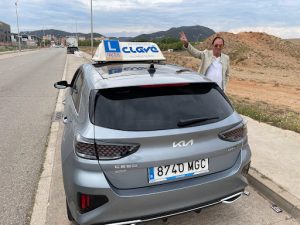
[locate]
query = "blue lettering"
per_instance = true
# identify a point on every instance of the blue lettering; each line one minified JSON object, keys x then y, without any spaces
{"x":154,"y":49}
{"x":140,"y":49}
{"x":124,"y":49}
{"x":132,"y":50}
{"x":147,"y":49}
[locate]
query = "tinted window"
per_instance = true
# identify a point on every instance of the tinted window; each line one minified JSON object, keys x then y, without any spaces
{"x":76,"y":90}
{"x":159,"y":108}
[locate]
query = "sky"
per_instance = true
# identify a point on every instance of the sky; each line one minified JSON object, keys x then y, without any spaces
{"x":133,"y":17}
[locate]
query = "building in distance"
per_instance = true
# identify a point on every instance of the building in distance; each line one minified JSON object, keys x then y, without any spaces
{"x":5,"y":34}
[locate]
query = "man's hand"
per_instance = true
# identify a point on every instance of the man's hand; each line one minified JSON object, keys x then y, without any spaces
{"x":183,"y":39}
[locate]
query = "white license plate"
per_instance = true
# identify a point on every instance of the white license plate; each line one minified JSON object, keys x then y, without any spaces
{"x":174,"y":171}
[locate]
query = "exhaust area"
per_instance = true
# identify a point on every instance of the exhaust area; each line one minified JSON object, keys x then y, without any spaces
{"x":227,"y":200}
{"x":232,"y":198}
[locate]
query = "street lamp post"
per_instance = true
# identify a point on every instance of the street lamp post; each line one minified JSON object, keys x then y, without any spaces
{"x":92,"y":44}
{"x":76,"y":34}
{"x":19,"y":43}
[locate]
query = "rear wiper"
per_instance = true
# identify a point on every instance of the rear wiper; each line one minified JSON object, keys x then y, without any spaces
{"x":183,"y":123}
{"x":183,"y":70}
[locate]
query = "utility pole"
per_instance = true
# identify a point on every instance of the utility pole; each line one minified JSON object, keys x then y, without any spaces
{"x":92,"y":44}
{"x":19,"y":42}
{"x":76,"y":32}
{"x":44,"y":36}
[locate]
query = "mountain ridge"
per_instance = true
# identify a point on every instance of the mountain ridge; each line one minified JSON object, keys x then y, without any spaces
{"x":59,"y":33}
{"x":194,"y":33}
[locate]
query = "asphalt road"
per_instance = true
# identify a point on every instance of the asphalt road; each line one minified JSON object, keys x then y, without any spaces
{"x":27,"y":101}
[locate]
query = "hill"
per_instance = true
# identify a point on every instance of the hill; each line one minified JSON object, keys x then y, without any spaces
{"x":59,"y":33}
{"x":258,"y":49}
{"x":194,"y":33}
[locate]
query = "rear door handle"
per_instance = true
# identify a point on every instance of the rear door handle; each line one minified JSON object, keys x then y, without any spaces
{"x":66,"y":120}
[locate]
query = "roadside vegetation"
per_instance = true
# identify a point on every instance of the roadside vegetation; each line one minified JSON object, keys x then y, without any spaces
{"x":165,"y":43}
{"x":88,"y":43}
{"x":8,"y":48}
{"x":15,"y":48}
{"x":169,"y":43}
{"x":262,"y":112}
{"x":87,"y":49}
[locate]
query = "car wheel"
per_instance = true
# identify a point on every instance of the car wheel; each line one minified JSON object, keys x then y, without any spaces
{"x":70,"y":217}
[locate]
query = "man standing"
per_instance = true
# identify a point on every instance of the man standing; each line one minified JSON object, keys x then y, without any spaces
{"x":215,"y":64}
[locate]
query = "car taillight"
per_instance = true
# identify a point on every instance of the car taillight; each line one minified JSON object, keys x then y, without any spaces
{"x":103,"y":150}
{"x":108,"y":151}
{"x":236,"y":133}
{"x":88,"y":202}
{"x":85,"y":150}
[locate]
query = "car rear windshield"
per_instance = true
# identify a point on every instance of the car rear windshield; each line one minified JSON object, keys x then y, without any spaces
{"x":159,"y":107}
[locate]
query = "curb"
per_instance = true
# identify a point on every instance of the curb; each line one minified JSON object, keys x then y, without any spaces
{"x":275,"y":193}
{"x":86,"y":56}
{"x":39,"y":212}
{"x":17,"y":51}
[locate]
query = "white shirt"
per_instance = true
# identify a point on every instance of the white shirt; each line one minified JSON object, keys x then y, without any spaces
{"x":214,"y":71}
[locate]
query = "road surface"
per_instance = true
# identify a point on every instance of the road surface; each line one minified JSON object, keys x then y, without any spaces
{"x":27,"y":101}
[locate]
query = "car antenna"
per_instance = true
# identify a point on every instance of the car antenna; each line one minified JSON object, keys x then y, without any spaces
{"x":151,"y":69}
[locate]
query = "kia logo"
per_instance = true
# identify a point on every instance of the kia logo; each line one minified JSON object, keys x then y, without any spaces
{"x":183,"y":143}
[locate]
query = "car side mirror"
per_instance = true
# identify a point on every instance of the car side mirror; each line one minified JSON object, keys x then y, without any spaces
{"x":61,"y":84}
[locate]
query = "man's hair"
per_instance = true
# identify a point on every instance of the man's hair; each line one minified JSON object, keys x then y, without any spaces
{"x":218,"y":38}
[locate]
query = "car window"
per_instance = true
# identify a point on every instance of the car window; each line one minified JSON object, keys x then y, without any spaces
{"x":75,"y":76}
{"x":158,"y":108}
{"x":76,"y":90}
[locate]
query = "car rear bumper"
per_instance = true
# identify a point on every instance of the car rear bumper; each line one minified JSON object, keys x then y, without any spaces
{"x":144,"y":204}
{"x":230,"y":198}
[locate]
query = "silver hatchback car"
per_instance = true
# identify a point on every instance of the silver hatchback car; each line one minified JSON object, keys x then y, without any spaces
{"x":146,"y":140}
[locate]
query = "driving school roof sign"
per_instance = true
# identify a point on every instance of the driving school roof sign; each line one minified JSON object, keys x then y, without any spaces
{"x":113,"y":50}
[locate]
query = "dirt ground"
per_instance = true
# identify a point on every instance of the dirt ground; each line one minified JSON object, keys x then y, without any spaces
{"x":281,"y":93}
{"x":279,"y":88}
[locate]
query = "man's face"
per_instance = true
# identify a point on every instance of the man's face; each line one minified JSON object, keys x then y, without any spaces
{"x":217,"y":47}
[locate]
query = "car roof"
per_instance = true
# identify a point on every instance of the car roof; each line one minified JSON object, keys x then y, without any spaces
{"x":122,"y":74}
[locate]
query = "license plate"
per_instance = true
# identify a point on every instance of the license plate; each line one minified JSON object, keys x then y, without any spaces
{"x":175,"y":171}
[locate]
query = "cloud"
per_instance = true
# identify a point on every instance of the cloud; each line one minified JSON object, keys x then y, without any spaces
{"x":283,"y":32}
{"x":278,"y":17}
{"x":123,"y":5}
{"x":129,"y":31}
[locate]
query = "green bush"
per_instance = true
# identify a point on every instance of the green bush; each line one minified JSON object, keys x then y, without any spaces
{"x":88,"y":43}
{"x":169,"y":43}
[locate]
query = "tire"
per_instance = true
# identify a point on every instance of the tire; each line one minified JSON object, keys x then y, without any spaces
{"x":70,"y":217}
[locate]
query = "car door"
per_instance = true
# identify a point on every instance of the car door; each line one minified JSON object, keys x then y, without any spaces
{"x":71,"y":113}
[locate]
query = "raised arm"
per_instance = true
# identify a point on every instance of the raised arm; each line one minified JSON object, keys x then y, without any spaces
{"x":192,"y":50}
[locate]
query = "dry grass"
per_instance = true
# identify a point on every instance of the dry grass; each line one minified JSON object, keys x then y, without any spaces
{"x":263,"y":112}
{"x":87,"y":49}
{"x":295,"y":41}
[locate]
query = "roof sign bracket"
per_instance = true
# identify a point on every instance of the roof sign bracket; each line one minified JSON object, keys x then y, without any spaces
{"x":151,"y":70}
